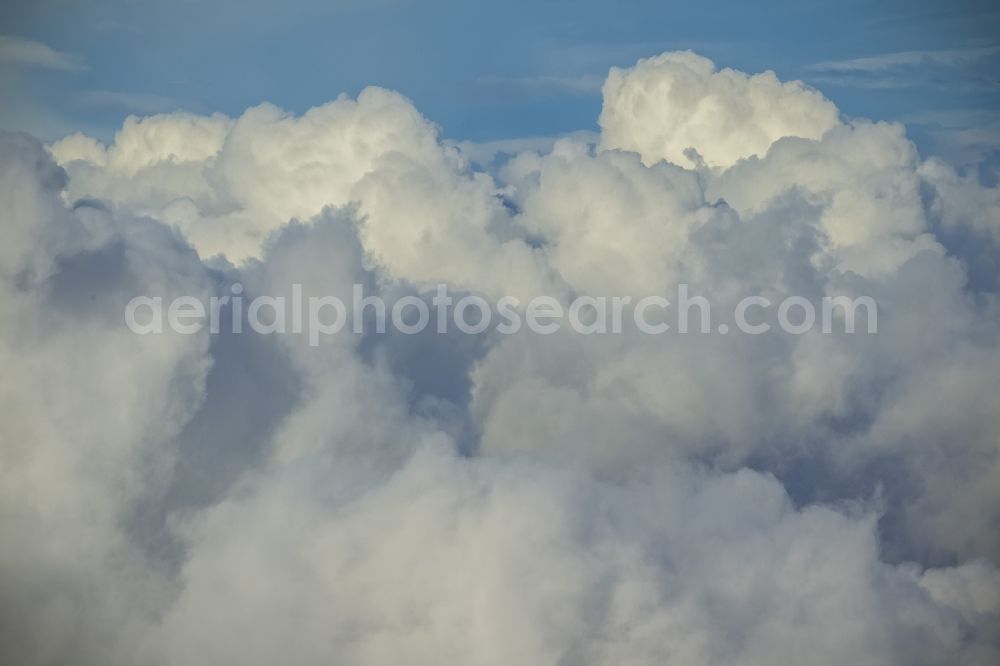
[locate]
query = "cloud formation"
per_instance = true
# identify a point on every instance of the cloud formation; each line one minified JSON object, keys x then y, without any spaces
{"x":700,"y":499}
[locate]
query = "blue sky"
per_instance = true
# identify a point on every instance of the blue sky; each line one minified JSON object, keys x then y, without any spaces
{"x":488,"y":71}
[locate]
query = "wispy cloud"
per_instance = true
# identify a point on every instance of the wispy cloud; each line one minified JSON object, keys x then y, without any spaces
{"x":487,"y":151}
{"x":901,"y":59}
{"x":963,"y":70}
{"x":537,"y":87}
{"x":29,"y":53}
{"x":134,"y":102}
{"x":962,"y":136}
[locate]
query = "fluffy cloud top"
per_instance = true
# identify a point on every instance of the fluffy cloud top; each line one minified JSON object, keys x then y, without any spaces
{"x":677,"y":107}
{"x":624,"y":499}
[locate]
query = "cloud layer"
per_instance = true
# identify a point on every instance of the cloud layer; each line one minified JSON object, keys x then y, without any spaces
{"x":628,"y":499}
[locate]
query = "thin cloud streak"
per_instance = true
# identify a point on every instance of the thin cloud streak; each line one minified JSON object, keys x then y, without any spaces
{"x":23,"y":52}
{"x":140,"y":103}
{"x":891,"y":61}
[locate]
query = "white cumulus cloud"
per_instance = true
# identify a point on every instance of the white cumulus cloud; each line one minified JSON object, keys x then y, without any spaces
{"x":608,"y":499}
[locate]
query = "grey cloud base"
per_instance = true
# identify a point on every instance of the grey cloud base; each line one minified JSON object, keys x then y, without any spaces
{"x":236,"y":499}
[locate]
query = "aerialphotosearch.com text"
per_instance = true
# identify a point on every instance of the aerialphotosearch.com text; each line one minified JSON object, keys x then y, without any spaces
{"x":317,"y":317}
